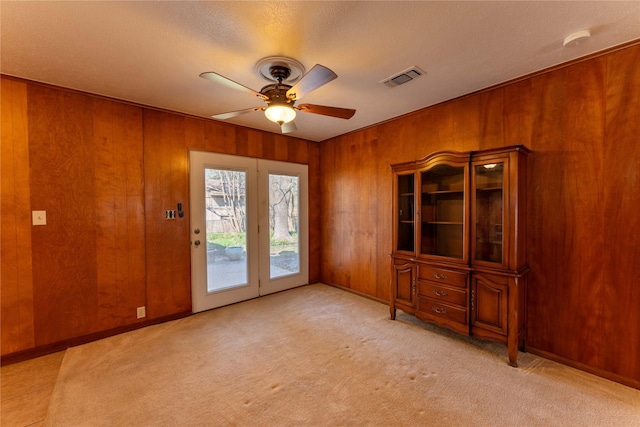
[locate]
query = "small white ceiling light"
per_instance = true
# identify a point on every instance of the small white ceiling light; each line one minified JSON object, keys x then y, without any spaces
{"x":280,"y":112}
{"x":576,"y":38}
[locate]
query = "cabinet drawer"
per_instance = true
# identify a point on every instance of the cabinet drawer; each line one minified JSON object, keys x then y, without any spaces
{"x":442,"y":275}
{"x":438,"y":292}
{"x":431,"y":308}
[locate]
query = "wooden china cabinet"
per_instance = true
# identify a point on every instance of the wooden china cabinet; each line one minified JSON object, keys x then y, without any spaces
{"x":459,"y":253}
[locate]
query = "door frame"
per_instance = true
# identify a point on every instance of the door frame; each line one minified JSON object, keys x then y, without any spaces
{"x":259,"y":282}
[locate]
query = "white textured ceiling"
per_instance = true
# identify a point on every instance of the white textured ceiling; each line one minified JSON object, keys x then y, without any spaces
{"x":152,"y":52}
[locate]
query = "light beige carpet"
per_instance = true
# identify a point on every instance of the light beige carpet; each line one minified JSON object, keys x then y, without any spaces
{"x":320,"y":356}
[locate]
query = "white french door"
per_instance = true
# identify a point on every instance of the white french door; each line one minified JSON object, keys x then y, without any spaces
{"x":249,"y":228}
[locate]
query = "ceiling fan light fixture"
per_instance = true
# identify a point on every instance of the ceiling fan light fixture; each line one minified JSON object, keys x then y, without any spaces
{"x":280,"y":112}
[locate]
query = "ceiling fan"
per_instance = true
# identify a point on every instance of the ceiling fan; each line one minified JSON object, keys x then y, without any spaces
{"x":280,"y":97}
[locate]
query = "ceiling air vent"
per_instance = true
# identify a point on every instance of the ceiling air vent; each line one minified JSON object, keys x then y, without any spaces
{"x":403,"y":77}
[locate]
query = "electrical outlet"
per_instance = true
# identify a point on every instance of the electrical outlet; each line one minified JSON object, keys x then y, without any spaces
{"x":141,"y":312}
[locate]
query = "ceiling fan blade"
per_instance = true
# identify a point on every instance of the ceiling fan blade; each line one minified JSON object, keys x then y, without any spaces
{"x":288,"y":127}
{"x":341,"y":113}
{"x":230,"y":83}
{"x":316,"y":77}
{"x":224,"y":116}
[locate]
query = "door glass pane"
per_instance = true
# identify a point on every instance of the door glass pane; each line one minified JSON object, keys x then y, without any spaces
{"x":406,"y":223}
{"x":225,"y":206}
{"x":489,"y":221}
{"x":284,"y":246}
{"x":443,"y":211}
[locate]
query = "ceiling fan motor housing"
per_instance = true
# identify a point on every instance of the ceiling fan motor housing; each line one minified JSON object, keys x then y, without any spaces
{"x":277,"y":93}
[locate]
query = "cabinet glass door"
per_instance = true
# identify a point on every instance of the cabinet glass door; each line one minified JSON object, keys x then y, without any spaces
{"x":405,"y":214}
{"x":442,"y":211}
{"x":489,"y":215}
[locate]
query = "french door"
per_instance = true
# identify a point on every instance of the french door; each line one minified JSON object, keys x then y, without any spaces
{"x":249,"y":228}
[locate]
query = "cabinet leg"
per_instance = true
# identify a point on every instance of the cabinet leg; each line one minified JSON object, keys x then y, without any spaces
{"x":512,"y":349}
{"x":513,"y":360}
{"x":392,"y":312}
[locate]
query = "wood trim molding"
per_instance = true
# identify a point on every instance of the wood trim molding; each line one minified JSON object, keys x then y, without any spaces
{"x":361,"y":294}
{"x":586,"y":368}
{"x":43,"y":350}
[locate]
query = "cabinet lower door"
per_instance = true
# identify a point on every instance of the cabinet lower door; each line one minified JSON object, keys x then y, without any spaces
{"x":404,"y":286}
{"x":497,"y":310}
{"x":489,"y":305}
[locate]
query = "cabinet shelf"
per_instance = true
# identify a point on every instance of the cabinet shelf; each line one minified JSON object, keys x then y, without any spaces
{"x":443,"y":222}
{"x":460,"y":191}
{"x":407,"y":222}
{"x":490,"y":242}
{"x":492,"y":188}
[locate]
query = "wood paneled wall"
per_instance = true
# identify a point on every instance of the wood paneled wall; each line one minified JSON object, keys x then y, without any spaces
{"x":16,"y":271}
{"x":105,"y":172}
{"x":583,"y":124}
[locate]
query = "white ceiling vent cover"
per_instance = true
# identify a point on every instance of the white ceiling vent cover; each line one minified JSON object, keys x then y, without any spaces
{"x":403,"y":77}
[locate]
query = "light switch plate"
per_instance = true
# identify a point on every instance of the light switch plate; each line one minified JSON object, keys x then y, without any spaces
{"x":39,"y":217}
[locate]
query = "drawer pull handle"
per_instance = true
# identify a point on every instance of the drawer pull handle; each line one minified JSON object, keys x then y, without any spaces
{"x":440,"y":276}
{"x":439,"y":310}
{"x":440,"y":293}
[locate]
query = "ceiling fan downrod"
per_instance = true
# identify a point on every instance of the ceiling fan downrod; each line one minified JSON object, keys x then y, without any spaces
{"x":279,"y":73}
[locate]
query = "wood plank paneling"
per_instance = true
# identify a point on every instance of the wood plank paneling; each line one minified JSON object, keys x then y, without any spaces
{"x":276,"y":147}
{"x":491,"y":120}
{"x":362,"y":205}
{"x":585,"y":119}
{"x":620,"y":351}
{"x":242,"y":142}
{"x":440,"y":125}
{"x":327,"y":154}
{"x":567,"y":242}
{"x":330,"y":217}
{"x":518,"y":113}
{"x":315,"y":205}
{"x":86,"y":172}
{"x":16,"y":302}
{"x":254,"y":140}
{"x":269,"y":147}
{"x":62,"y":184}
{"x":466,"y":123}
{"x":383,"y":233}
{"x":545,"y":254}
{"x":298,"y":150}
{"x":120,"y":237}
{"x":167,"y":250}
